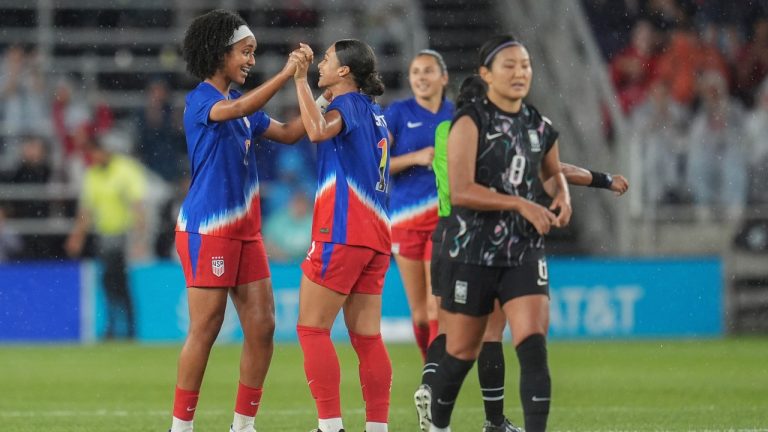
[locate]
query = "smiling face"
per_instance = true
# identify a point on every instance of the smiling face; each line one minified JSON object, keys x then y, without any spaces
{"x":239,"y":60}
{"x":426,"y":77}
{"x":509,"y":74}
{"x":329,"y":69}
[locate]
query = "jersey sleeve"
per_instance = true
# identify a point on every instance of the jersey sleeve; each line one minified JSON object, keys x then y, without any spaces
{"x":471,"y":111}
{"x":201,"y":104}
{"x":259,"y":123}
{"x":345,"y":106}
{"x":550,"y":134}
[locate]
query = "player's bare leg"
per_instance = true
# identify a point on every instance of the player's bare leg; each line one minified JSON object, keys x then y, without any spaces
{"x":256,"y":309}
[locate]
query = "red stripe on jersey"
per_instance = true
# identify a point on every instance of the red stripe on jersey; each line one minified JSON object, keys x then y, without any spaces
{"x":367,"y":226}
{"x":246,"y":227}
{"x":322,"y":219}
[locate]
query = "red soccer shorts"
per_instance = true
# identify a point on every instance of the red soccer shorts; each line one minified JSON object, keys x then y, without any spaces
{"x":346,"y":269}
{"x":218,"y":262}
{"x":412,"y":244}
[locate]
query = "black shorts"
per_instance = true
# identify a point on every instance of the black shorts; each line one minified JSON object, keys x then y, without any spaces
{"x":472,"y":289}
{"x":437,"y":271}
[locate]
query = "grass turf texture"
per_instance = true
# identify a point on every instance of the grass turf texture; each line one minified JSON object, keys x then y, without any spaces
{"x":598,"y":386}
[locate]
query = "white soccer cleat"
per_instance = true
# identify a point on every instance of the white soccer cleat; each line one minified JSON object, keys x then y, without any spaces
{"x":423,"y":401}
{"x":505,"y":426}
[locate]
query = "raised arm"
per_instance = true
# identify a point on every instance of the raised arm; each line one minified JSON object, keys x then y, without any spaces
{"x":255,"y":99}
{"x":319,"y":126}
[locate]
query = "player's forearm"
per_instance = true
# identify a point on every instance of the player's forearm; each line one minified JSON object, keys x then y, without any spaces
{"x":400,"y":163}
{"x":255,"y":99}
{"x":311,"y":117}
{"x":480,"y":198}
{"x":562,"y":187}
{"x":576,"y":175}
{"x":292,"y":131}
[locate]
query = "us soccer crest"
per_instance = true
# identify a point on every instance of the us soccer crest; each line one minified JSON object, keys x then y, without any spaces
{"x":533,"y":137}
{"x":217,"y":265}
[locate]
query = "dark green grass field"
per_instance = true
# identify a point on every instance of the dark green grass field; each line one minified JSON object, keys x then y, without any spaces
{"x":713,"y":385}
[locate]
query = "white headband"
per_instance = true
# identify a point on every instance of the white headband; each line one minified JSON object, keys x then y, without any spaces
{"x":239,"y":34}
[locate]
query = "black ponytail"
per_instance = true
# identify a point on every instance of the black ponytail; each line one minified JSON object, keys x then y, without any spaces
{"x":360,"y":59}
{"x":472,"y":89}
{"x":372,"y":85}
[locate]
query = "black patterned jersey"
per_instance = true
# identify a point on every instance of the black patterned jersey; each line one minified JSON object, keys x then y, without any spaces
{"x":510,"y":150}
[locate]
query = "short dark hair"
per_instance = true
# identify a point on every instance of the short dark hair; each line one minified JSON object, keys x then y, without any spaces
{"x":207,"y":40}
{"x":361,"y":60}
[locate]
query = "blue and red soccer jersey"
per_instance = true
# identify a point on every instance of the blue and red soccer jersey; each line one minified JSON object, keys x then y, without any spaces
{"x":223,"y":198}
{"x":353,"y":178}
{"x":413,"y":200}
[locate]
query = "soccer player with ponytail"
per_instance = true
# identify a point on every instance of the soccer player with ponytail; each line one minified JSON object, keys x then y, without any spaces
{"x":351,"y":246}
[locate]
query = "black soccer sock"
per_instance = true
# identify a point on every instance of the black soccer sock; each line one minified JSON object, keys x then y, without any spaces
{"x":435,"y":352}
{"x":535,"y":384}
{"x":490,"y":371}
{"x":450,"y":375}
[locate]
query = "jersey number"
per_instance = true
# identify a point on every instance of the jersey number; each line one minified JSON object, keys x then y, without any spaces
{"x":516,"y":170}
{"x":381,"y":186}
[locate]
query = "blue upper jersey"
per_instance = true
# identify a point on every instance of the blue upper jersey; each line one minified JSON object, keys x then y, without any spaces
{"x":353,"y":178}
{"x":223,"y":198}
{"x":413,"y":201}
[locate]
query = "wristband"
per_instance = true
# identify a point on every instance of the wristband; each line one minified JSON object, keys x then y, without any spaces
{"x":322,"y":103}
{"x":601,"y":180}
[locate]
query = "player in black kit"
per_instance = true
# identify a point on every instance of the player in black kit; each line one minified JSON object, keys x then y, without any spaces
{"x":500,"y":153}
{"x":490,"y":361}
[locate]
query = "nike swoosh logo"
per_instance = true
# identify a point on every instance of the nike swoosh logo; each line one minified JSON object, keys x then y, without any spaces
{"x":539,"y":399}
{"x":190,"y":409}
{"x":254,"y":403}
{"x":490,"y":136}
{"x":413,"y":125}
{"x":541,"y":282}
{"x":440,"y":401}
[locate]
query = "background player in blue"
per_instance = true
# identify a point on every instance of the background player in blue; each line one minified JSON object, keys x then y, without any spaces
{"x":413,"y":195}
{"x":500,"y":152}
{"x":350,"y":250}
{"x":218,"y":234}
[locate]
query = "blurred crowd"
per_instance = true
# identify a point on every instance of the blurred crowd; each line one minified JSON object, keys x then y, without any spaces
{"x":44,"y":132}
{"x":690,"y":76}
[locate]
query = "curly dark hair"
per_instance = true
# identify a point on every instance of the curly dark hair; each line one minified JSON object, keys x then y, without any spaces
{"x":205,"y":41}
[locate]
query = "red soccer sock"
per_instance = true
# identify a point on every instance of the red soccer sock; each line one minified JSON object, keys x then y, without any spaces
{"x":185,"y":404}
{"x":375,"y":375}
{"x":434,"y":329}
{"x":321,"y":365}
{"x":421,"y":332}
{"x":248,"y":400}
